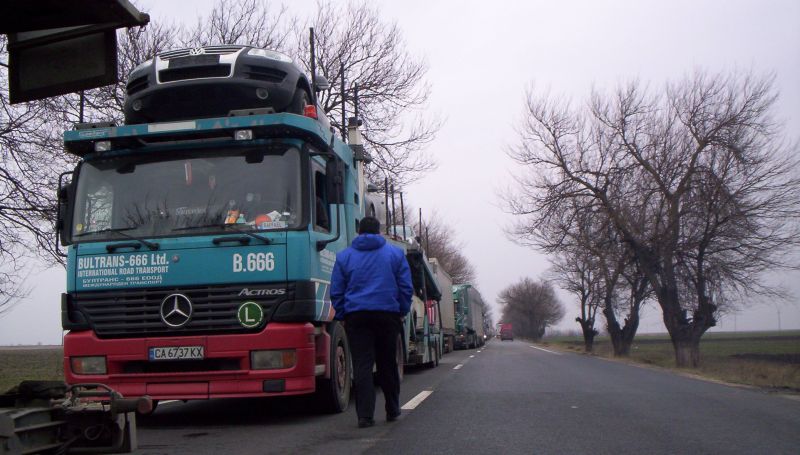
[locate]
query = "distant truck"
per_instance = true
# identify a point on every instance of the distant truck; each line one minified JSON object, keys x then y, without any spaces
{"x":446,"y":307}
{"x":506,"y":332}
{"x":469,"y":317}
{"x":422,"y":328}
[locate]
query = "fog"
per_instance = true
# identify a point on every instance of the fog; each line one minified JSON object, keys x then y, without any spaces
{"x":482,"y":56}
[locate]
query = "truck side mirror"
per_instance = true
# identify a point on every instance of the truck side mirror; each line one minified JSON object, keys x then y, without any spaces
{"x":334,"y":187}
{"x":63,"y":215}
{"x":321,"y":83}
{"x":334,"y":171}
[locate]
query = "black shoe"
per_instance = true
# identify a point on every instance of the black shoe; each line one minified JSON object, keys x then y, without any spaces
{"x":364,"y":422}
{"x":392,"y":417}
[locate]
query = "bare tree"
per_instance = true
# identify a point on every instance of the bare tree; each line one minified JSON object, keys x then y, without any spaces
{"x":576,"y":274}
{"x":30,"y":163}
{"x":440,"y":243}
{"x":570,"y":237}
{"x":530,"y":306}
{"x":639,"y":291}
{"x":593,"y":263}
{"x":392,"y":92}
{"x":622,"y":286}
{"x":696,"y":180}
{"x":248,"y":22}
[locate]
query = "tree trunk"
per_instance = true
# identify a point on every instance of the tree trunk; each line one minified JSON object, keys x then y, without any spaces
{"x":588,"y":341}
{"x":622,"y":337}
{"x":687,"y":353}
{"x":587,"y":328}
{"x":615,"y":333}
{"x":628,"y":331}
{"x":685,"y":333}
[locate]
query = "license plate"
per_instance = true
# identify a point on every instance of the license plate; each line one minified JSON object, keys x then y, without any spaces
{"x":176,"y":353}
{"x":194,"y":60}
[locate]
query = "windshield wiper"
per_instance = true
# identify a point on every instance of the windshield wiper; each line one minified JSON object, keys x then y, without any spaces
{"x":151,"y":245}
{"x":233,"y":226}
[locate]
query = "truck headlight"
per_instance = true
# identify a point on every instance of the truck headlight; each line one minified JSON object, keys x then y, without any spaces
{"x":272,"y":360}
{"x":88,"y":365}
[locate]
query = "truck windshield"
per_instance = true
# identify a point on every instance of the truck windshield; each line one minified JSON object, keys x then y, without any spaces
{"x":251,"y":189}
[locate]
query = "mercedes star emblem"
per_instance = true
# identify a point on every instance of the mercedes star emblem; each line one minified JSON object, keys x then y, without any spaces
{"x":176,"y":310}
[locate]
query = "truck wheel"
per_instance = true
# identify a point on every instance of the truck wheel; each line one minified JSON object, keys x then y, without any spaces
{"x":334,"y":393}
{"x":400,"y":357}
{"x":432,"y":356}
{"x":436,"y":355}
{"x":300,"y":100}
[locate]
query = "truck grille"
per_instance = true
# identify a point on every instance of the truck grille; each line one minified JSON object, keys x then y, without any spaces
{"x":213,"y":50}
{"x":137,"y":312}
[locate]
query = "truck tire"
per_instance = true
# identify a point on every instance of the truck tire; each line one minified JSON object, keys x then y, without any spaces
{"x":432,"y":356}
{"x":334,"y":392}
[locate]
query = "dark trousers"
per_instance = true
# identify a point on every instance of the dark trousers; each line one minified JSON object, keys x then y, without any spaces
{"x":373,"y":340}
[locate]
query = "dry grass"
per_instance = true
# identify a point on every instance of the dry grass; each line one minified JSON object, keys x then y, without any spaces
{"x":762,"y":359}
{"x":19,"y":364}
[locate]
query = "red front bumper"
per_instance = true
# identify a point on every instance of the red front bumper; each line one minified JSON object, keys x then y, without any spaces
{"x":224,"y":373}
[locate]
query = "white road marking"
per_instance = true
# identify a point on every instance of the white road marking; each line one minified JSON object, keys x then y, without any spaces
{"x":414,"y":402}
{"x":458,"y":366}
{"x":471,"y":356}
{"x":479,"y":351}
{"x":546,"y":350}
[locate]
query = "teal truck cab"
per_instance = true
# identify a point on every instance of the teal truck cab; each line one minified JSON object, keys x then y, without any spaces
{"x":200,"y":249}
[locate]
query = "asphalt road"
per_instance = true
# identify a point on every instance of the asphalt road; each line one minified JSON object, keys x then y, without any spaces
{"x":508,"y":397}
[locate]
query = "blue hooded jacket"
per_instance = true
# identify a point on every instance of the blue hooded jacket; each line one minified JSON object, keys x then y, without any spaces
{"x":371,"y":275}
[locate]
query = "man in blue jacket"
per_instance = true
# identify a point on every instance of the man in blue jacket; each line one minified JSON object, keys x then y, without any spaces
{"x":371,"y":291}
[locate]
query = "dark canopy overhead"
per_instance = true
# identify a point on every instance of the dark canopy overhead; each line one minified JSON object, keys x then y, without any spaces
{"x":28,"y":15}
{"x":63,"y":46}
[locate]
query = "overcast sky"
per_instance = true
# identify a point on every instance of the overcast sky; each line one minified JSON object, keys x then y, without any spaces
{"x":482,"y":55}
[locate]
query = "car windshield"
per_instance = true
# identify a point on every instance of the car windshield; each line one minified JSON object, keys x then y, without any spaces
{"x":405,"y":232}
{"x":251,"y":189}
